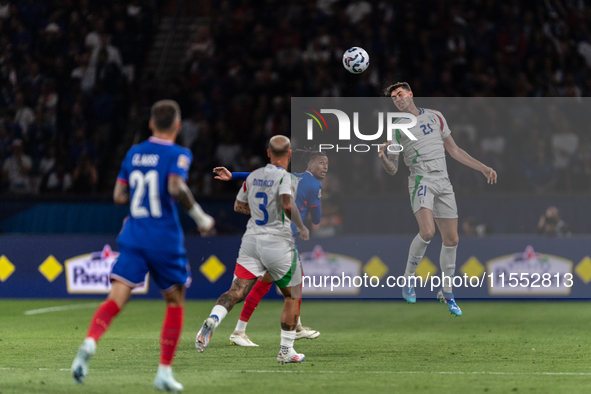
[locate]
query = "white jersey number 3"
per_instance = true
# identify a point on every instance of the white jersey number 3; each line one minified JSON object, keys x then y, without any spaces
{"x":139,"y":181}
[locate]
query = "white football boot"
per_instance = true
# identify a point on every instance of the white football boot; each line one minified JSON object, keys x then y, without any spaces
{"x":289,"y":355}
{"x":164,"y":380}
{"x":306,"y":332}
{"x":80,"y":365}
{"x":239,"y":338}
{"x":204,"y":335}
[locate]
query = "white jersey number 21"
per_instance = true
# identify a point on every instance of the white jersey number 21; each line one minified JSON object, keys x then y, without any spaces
{"x":139,"y":181}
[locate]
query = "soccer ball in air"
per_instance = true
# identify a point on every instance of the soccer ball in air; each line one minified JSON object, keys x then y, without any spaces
{"x":356,"y":60}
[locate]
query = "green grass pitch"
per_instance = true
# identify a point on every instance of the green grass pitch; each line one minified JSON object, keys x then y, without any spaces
{"x":367,"y":347}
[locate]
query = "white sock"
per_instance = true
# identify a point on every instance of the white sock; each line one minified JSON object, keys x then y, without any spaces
{"x":90,"y":345}
{"x":447,"y":262}
{"x":164,"y":368}
{"x":241,"y":325}
{"x":415,"y":255}
{"x":219,"y":312}
{"x":299,"y":322}
{"x":287,"y":338}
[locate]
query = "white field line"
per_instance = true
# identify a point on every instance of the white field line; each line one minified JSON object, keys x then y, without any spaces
{"x":410,"y":372}
{"x":61,"y":308}
{"x":358,"y":372}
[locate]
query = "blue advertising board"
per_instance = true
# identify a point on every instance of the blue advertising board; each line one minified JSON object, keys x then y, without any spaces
{"x":363,"y":267}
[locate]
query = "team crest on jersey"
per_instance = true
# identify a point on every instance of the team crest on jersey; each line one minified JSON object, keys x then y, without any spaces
{"x":433,"y":120}
{"x":183,"y":162}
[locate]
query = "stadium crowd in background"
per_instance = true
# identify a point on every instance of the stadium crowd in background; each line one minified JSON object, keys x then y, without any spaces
{"x":244,"y":66}
{"x":67,"y":70}
{"x":248,"y":58}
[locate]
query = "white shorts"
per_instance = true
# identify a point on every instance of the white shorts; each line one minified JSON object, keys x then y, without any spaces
{"x":434,"y":193}
{"x":276,"y":255}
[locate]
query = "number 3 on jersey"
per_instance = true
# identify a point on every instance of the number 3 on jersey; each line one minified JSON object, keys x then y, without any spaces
{"x":139,"y":181}
{"x":263,"y":208}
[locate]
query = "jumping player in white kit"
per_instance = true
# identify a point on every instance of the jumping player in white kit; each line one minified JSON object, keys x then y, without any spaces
{"x":267,"y":247}
{"x":431,"y":194}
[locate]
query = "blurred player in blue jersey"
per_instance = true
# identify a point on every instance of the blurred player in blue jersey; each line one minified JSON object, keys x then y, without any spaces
{"x":152,"y":174}
{"x":309,"y":193}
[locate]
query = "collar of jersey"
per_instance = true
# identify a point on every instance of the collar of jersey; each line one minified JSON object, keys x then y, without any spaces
{"x":421,"y":111}
{"x":160,"y":141}
{"x":272,"y":165}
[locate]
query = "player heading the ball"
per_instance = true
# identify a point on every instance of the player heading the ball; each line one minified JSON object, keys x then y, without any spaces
{"x":432,"y":197}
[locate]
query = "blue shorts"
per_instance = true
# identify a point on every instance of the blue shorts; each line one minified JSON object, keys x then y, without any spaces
{"x":166,"y":268}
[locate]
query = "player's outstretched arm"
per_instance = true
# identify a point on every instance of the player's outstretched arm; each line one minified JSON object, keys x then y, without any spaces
{"x":179,"y":190}
{"x":121,"y":193}
{"x":222,"y":174}
{"x":460,"y":155}
{"x":389,"y":162}
{"x":287,"y":203}
{"x":241,"y":207}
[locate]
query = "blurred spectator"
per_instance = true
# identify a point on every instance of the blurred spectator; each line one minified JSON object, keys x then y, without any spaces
{"x":58,"y":180}
{"x":47,"y":103}
{"x":190,"y":130}
{"x":202,"y":43}
{"x":85,"y":176}
{"x":551,"y":225}
{"x":4,"y":9}
{"x":24,"y":114}
{"x":357,"y":10}
{"x":16,"y":169}
{"x":581,"y":167}
{"x":539,"y":173}
{"x":228,"y":152}
{"x":85,"y":73}
{"x":93,"y":39}
{"x":471,"y":228}
{"x":112,"y":53}
{"x":564,"y":145}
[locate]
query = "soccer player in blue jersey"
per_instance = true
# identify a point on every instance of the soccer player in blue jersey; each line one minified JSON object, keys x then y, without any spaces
{"x":309,"y":193}
{"x":152,"y":176}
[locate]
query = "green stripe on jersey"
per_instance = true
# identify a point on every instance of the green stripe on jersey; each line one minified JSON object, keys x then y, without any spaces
{"x":416,"y":157}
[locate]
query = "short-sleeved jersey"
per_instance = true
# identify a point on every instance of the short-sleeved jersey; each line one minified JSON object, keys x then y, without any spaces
{"x":262,"y":190}
{"x":426,"y":154}
{"x":153,"y":221}
{"x":309,"y":193}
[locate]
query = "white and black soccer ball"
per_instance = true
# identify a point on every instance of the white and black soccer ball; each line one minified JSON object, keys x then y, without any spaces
{"x":356,"y":60}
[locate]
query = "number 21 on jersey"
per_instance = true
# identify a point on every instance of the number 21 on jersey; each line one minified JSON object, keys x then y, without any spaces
{"x":139,"y":182}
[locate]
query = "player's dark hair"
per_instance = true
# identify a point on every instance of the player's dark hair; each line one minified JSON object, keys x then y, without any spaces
{"x":310,"y":154}
{"x":391,"y":88}
{"x":164,"y":113}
